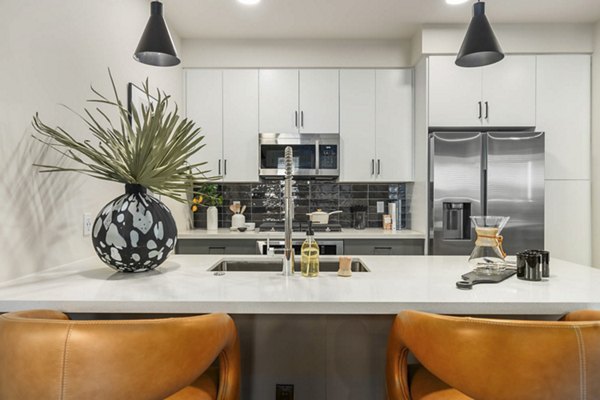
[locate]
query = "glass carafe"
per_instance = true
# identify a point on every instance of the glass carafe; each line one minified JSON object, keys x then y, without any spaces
{"x":488,"y":254}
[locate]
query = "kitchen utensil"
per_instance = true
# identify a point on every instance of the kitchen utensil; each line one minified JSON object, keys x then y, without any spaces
{"x":488,"y":245}
{"x":243,"y":209}
{"x":320,"y":216}
{"x":476,"y":277}
{"x":232,"y":208}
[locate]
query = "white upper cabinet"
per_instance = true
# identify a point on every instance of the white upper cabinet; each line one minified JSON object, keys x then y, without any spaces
{"x":357,"y":125}
{"x":305,"y":101}
{"x":509,"y":92}
{"x":563,"y":112}
{"x":204,"y":105}
{"x":224,"y":103}
{"x":454,"y":93}
{"x":319,"y":101}
{"x":499,"y":95}
{"x":240,"y":125}
{"x":376,"y":125}
{"x":394,"y":125}
{"x":278,"y":100}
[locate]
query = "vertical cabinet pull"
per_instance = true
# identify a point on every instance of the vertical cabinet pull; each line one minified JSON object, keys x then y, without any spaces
{"x":225,"y":167}
{"x":372,"y":167}
{"x":302,"y":119}
{"x":487,"y":110}
{"x":296,"y":119}
{"x":219,"y":173}
{"x":378,"y":167}
{"x":480,"y":111}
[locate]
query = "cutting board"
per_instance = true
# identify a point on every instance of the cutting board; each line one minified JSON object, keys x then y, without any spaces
{"x":477,"y":277}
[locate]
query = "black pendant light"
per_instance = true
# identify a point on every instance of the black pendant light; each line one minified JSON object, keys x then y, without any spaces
{"x":156,"y":46}
{"x":480,"y":46}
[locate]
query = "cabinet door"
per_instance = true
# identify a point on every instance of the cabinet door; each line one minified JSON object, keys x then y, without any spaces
{"x":454,"y":93}
{"x":563,"y":112}
{"x":240,"y":125}
{"x":278,"y":101}
{"x":319,"y":101}
{"x":204,"y":105}
{"x":568,"y":216}
{"x":357,"y":125}
{"x":394,"y":125}
{"x":509,"y":92}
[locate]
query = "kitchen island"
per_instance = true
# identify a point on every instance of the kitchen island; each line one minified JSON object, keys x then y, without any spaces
{"x":326,"y":335}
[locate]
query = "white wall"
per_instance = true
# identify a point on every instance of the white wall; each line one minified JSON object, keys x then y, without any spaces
{"x":514,"y":38}
{"x":51,"y":52}
{"x":295,"y":53}
{"x":596,"y":148}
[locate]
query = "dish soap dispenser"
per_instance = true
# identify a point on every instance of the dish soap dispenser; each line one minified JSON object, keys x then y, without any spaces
{"x":309,"y":261}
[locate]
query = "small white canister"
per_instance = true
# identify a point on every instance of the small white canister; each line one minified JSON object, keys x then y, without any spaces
{"x":238,"y":221}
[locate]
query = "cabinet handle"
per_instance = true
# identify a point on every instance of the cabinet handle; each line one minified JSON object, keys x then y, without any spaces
{"x":225,"y":167}
{"x":296,"y":119}
{"x":487,"y":110}
{"x":219,"y":173}
{"x":372,"y":167}
{"x":302,"y":119}
{"x":378,"y":167}
{"x":479,"y":117}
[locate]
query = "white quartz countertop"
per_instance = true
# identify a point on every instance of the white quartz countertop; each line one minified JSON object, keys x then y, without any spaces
{"x":370,"y":233}
{"x":183,"y":285}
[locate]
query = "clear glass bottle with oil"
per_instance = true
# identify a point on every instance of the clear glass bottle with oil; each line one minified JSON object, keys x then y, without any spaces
{"x":309,"y":260}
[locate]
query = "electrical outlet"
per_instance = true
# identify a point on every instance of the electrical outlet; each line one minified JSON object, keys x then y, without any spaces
{"x":87,"y":224}
{"x":380,"y":207}
{"x":284,"y":391}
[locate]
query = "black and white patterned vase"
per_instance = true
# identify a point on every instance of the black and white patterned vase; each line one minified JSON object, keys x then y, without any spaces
{"x":135,"y":232}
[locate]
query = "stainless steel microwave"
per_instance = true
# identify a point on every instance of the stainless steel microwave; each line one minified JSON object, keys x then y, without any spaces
{"x":315,"y":155}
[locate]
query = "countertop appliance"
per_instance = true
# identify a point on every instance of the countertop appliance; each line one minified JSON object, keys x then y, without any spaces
{"x":485,"y":173}
{"x":315,"y":155}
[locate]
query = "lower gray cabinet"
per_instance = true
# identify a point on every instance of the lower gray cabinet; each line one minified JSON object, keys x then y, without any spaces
{"x":215,"y":246}
{"x":352,"y":247}
{"x":384,"y":247}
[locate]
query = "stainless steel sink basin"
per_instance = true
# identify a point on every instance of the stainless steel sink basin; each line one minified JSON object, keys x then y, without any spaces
{"x":275,"y":265}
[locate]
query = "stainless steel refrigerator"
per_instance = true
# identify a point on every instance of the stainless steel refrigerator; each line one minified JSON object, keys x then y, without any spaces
{"x":485,"y":173}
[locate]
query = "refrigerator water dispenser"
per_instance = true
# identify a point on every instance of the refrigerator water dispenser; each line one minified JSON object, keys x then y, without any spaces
{"x":456,"y":221}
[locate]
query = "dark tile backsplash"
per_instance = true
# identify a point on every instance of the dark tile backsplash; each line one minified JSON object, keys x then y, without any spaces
{"x":264,"y":201}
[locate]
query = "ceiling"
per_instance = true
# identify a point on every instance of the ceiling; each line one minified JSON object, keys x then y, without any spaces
{"x":354,"y":19}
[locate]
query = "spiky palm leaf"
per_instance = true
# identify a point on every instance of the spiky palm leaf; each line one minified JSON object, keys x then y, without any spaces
{"x":151,"y":151}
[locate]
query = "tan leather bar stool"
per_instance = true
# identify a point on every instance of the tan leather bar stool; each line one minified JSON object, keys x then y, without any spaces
{"x":485,"y":359}
{"x":44,"y":355}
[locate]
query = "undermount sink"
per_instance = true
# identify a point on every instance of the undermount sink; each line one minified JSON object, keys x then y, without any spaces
{"x":275,"y":265}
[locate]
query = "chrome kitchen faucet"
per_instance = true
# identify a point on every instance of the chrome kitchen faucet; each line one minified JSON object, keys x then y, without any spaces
{"x":288,"y":255}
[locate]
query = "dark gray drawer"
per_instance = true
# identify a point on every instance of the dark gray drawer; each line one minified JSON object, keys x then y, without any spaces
{"x":215,"y":246}
{"x":384,"y":247}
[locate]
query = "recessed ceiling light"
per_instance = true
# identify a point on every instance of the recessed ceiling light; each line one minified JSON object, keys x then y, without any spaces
{"x":251,"y":2}
{"x":455,"y":2}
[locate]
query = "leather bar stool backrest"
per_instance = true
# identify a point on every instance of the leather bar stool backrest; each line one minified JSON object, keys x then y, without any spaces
{"x":44,"y":355}
{"x":499,"y":359}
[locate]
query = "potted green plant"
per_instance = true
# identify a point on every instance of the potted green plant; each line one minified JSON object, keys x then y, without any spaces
{"x":207,"y":196}
{"x":146,"y":150}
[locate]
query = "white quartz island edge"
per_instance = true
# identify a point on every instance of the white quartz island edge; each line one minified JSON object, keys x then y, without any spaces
{"x":184,"y":285}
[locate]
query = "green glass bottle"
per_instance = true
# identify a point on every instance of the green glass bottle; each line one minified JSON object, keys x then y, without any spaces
{"x":309,"y":261}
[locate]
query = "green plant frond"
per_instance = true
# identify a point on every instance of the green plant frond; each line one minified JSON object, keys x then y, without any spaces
{"x":152,"y":150}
